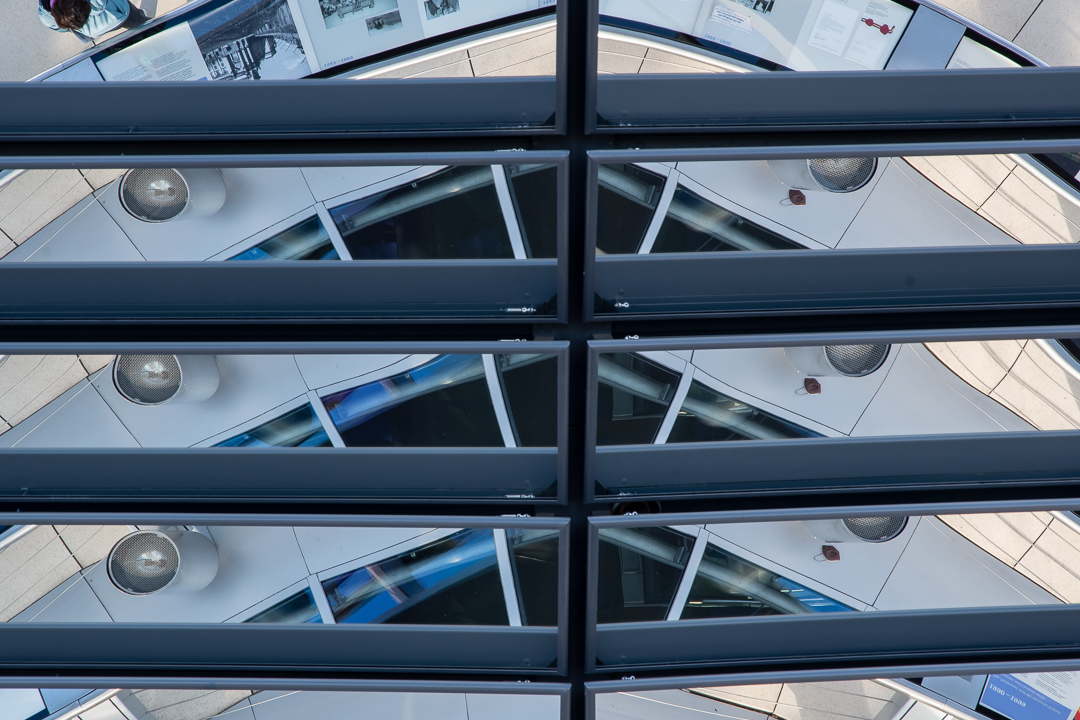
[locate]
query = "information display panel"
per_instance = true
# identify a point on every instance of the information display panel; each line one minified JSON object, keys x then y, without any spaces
{"x":795,"y":34}
{"x":1033,"y":696}
{"x":291,"y":39}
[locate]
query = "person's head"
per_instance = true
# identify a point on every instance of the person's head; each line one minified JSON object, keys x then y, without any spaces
{"x":70,"y":14}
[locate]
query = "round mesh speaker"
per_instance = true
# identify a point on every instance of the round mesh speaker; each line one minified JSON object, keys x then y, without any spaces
{"x":856,"y":360}
{"x":147,"y":379}
{"x":842,"y":175}
{"x":143,"y":563}
{"x":153,"y":194}
{"x":876,"y":529}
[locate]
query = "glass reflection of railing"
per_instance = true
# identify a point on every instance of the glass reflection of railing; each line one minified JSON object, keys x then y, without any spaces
{"x":642,"y":569}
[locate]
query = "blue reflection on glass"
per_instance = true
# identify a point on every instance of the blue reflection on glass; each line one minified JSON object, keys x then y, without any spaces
{"x":376,"y":592}
{"x":296,"y":428}
{"x":350,"y":408}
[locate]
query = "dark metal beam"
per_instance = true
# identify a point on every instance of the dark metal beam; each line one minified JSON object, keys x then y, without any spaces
{"x":915,"y":465}
{"x":786,"y":101}
{"x":499,"y":290}
{"x":834,"y":640}
{"x":906,"y":279}
{"x":327,"y":108}
{"x":151,"y":476}
{"x":238,"y":649}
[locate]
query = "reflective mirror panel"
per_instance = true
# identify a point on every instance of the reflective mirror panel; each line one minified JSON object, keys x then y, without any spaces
{"x":332,"y":213}
{"x":661,"y":416}
{"x":715,"y":36}
{"x":701,"y":210}
{"x":775,"y":393}
{"x":442,"y":402}
{"x":851,"y":564}
{"x":292,"y":575}
{"x":467,"y":214}
{"x":246,"y":40}
{"x":235,"y":704}
{"x":1021,"y":696}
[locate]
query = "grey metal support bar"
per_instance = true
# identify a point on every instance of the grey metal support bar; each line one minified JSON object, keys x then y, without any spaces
{"x":503,"y":290}
{"x":821,"y":100}
{"x":804,"y":282}
{"x":839,"y":639}
{"x":267,"y":109}
{"x":252,"y":648}
{"x":35,"y":477}
{"x":909,"y":463}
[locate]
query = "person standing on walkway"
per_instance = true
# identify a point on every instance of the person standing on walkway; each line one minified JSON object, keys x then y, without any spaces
{"x":89,"y":18}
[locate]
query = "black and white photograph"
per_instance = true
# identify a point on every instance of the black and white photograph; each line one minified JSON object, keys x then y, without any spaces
{"x":437,"y":8}
{"x":384,"y":23}
{"x":762,"y":6}
{"x":339,"y":12}
{"x":251,"y":40}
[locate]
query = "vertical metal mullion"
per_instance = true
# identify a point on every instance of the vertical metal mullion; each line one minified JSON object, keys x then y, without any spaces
{"x":506,"y":202}
{"x":498,"y":401}
{"x":696,"y":553}
{"x":321,"y":601}
{"x":660,"y":215}
{"x":324,"y":418}
{"x":506,"y":574}
{"x":672,"y":413}
{"x":332,"y":230}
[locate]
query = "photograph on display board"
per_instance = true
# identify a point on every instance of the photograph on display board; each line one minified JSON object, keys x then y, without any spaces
{"x":251,"y":40}
{"x":384,"y":23}
{"x":339,"y":12}
{"x":438,"y":8}
{"x":762,"y":6}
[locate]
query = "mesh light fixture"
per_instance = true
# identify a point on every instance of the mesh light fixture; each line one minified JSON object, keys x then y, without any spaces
{"x":876,"y":529}
{"x":143,"y":563}
{"x":157,"y":379}
{"x":842,"y":175}
{"x":147,"y":562}
{"x":856,"y":360}
{"x":158,"y":195}
{"x":147,"y":379}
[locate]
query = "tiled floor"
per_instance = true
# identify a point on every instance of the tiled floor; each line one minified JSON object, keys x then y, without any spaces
{"x":859,"y":699}
{"x":49,"y":555}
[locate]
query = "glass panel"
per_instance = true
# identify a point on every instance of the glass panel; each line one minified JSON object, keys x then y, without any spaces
{"x":308,"y":401}
{"x":534,"y":189}
{"x":715,"y":36}
{"x":639,"y":572}
{"x":627,"y":195}
{"x":236,"y":574}
{"x":534,"y":556}
{"x":534,"y":416}
{"x":821,"y":204}
{"x":212,"y":703}
{"x":633,"y":396}
{"x":244,"y":40}
{"x":728,"y":586}
{"x":307,"y":240}
{"x":881,"y":389}
{"x":1019,"y":696}
{"x":355,"y":214}
{"x":453,"y":581}
{"x":849,"y":564}
{"x":299,"y":608}
{"x":693,"y":224}
{"x":298,"y":428}
{"x":442,"y":403}
{"x":709,"y":416}
{"x":452,"y":214}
